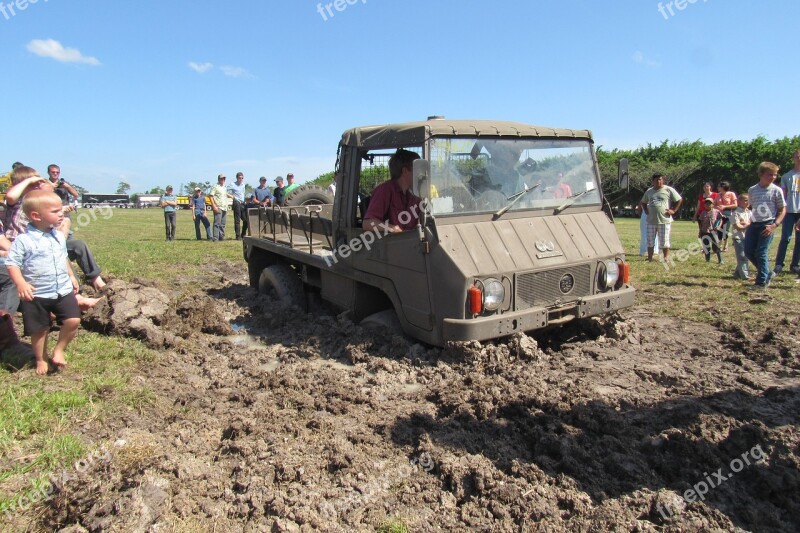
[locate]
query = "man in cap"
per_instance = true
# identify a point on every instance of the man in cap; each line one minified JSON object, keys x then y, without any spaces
{"x":263,"y":196}
{"x":279,"y":192}
{"x":291,"y":185}
{"x":219,"y":204}
{"x":236,"y":191}
{"x":198,"y":205}
{"x":170,"y":204}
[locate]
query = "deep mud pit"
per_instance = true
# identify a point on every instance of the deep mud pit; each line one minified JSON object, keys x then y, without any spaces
{"x":308,"y":422}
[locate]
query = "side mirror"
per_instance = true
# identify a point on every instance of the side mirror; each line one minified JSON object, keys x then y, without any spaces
{"x":422,"y":178}
{"x":622,"y":174}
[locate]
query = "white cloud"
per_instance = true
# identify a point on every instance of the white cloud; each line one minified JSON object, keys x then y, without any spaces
{"x":55,"y":50}
{"x":235,"y":72}
{"x":200,"y":68}
{"x":639,"y":58}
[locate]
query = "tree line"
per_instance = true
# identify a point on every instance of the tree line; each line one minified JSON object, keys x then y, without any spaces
{"x":688,"y":165}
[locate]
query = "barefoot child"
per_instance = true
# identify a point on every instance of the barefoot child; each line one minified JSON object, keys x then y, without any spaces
{"x":38,"y":265}
{"x":25,"y":180}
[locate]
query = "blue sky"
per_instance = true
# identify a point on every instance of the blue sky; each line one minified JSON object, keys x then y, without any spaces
{"x":158,"y":92}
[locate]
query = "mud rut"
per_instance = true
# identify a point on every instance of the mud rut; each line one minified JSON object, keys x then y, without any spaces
{"x":308,"y":422}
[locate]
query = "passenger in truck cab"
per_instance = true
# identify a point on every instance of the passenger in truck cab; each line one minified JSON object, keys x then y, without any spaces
{"x":393,"y":208}
{"x":503,"y":166}
{"x":557,"y":188}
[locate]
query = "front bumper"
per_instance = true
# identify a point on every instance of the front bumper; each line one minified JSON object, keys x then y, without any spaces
{"x":494,"y":326}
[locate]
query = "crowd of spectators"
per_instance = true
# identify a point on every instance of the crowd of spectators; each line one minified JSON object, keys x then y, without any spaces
{"x":37,"y":248}
{"x":749,"y":219}
{"x":231,"y":197}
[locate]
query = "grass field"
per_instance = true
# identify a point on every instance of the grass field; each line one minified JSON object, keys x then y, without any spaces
{"x":41,"y":418}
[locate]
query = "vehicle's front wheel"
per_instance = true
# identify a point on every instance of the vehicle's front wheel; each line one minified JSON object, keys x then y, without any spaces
{"x":282,"y":281}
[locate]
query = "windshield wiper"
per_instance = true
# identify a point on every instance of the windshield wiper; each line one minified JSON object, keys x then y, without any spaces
{"x":514,"y":199}
{"x":570,"y":200}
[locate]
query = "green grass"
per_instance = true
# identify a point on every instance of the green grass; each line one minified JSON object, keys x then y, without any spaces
{"x":394,"y":525}
{"x":706,"y":292}
{"x":130,"y":243}
{"x":40,"y":416}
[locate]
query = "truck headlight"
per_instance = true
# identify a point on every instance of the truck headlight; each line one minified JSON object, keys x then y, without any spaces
{"x":493,"y":294}
{"x":607,"y":275}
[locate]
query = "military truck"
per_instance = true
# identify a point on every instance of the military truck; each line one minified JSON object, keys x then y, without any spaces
{"x":513,"y":233}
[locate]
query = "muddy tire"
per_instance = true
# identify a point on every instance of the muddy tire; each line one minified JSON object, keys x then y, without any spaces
{"x":283,"y":281}
{"x":308,"y":195}
{"x":384,"y":320}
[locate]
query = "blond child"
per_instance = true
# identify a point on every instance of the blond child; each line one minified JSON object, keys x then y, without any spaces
{"x":26,"y":180}
{"x":38,"y":265}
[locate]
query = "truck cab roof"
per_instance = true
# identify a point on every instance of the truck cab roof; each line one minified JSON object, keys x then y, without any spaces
{"x":415,"y":133}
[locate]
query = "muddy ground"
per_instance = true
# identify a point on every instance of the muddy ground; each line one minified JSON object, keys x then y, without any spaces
{"x":267,"y":419}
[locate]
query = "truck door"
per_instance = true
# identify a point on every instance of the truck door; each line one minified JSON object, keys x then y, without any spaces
{"x":398,"y":257}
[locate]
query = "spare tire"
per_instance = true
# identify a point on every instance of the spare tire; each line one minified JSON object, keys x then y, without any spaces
{"x":308,"y":195}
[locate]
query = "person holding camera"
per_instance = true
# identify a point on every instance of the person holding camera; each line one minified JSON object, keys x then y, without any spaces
{"x":65,"y":191}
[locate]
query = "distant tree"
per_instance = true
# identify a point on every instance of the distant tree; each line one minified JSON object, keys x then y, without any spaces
{"x":123,"y":187}
{"x":323,"y":180}
{"x":156,"y":190}
{"x":190,"y":187}
{"x":687,"y":165}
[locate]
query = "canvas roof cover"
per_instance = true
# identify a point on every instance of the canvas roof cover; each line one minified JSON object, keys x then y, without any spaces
{"x":416,"y":133}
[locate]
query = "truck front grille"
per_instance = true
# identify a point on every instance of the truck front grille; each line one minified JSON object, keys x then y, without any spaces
{"x":535,"y":289}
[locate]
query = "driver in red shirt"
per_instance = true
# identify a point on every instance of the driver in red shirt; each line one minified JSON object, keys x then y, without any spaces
{"x":393,"y":208}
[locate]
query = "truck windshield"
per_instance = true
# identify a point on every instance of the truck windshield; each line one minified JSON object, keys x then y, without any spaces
{"x":470,"y":176}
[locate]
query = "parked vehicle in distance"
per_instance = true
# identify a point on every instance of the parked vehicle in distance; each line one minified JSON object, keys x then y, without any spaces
{"x":143,"y":201}
{"x":514,"y":234}
{"x":90,"y":200}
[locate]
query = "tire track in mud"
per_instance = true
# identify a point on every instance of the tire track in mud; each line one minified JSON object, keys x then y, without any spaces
{"x":309,"y":422}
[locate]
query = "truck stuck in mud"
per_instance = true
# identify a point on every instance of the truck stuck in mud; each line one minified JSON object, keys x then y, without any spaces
{"x":512,"y":235}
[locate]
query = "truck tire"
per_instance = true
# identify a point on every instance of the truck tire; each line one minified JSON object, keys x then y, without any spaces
{"x":308,"y":195}
{"x":284,"y":282}
{"x":385,"y":320}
